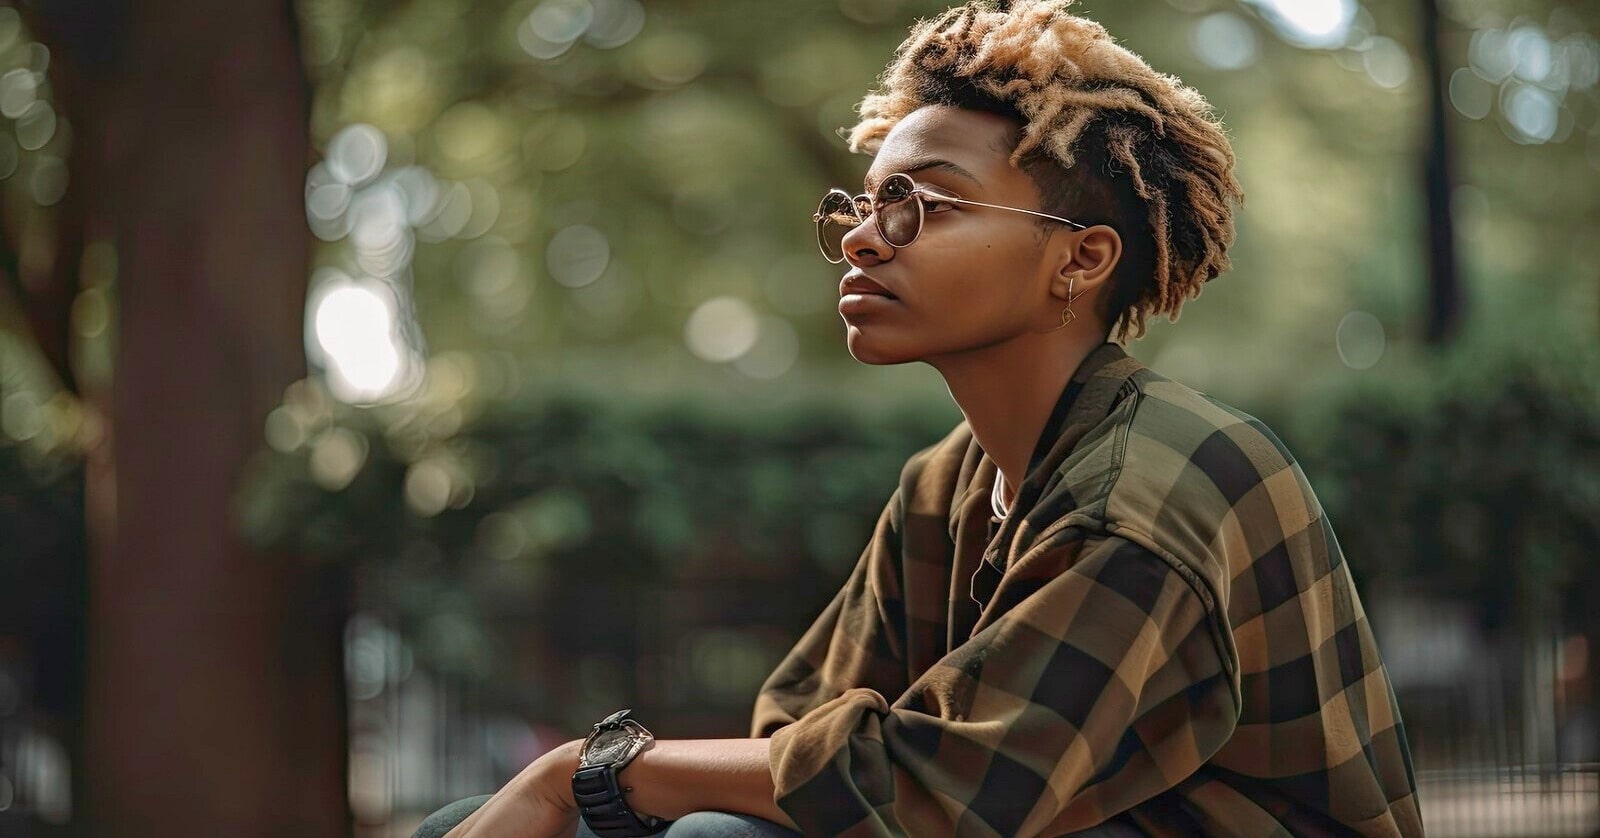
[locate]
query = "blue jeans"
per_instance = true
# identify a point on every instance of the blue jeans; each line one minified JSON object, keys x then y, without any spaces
{"x":692,"y":825}
{"x":709,"y":825}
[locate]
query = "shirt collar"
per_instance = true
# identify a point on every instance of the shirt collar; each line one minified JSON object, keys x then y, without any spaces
{"x":1086,"y":399}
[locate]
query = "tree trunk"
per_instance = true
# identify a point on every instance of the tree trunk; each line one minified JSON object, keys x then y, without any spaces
{"x":1444,"y":313}
{"x":215,"y":701}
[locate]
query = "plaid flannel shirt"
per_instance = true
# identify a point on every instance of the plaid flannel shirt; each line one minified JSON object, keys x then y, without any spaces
{"x":1162,"y":632}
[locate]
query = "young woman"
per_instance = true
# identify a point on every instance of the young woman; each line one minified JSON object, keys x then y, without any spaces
{"x":1105,"y":603}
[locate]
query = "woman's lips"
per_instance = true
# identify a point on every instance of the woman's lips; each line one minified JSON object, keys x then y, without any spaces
{"x":858,"y":303}
{"x":856,"y":282}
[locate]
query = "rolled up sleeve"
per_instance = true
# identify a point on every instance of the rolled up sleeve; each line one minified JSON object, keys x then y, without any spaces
{"x":857,"y":639}
{"x":1101,"y":685}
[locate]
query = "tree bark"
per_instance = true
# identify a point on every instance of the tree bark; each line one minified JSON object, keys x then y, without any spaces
{"x":215,"y":702}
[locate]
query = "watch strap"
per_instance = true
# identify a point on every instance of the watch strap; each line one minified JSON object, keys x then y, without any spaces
{"x":598,"y":792}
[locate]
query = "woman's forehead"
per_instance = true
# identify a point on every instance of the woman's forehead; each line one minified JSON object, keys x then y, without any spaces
{"x":962,"y":145}
{"x":921,"y":168}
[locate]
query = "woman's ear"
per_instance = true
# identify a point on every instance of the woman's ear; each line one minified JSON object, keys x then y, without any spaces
{"x":1088,"y":261}
{"x":1095,"y":254}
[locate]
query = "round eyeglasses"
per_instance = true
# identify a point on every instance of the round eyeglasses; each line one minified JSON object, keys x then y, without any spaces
{"x":898,"y":217}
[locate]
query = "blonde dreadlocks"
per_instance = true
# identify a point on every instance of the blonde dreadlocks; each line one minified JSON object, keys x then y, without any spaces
{"x":1101,"y":132}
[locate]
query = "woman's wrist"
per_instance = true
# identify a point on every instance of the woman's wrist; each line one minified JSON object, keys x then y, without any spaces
{"x":649,"y":793}
{"x":672,"y":778}
{"x":563,"y":761}
{"x":553,"y":782}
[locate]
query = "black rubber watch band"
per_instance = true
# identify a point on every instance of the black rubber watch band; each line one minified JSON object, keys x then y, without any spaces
{"x":599,"y":796}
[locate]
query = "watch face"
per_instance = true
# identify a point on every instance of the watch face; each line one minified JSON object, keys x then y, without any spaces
{"x":609,"y":746}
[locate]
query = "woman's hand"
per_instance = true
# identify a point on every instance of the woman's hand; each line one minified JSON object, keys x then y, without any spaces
{"x":537,"y":803}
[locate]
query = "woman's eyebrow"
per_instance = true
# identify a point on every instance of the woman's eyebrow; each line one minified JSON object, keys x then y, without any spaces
{"x":915,"y":166}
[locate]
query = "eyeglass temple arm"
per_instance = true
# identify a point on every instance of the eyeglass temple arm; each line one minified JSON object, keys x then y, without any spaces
{"x":817,"y":216}
{"x":1012,"y":209}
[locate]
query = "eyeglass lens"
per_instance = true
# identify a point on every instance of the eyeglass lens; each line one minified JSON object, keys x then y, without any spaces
{"x":898,"y":219}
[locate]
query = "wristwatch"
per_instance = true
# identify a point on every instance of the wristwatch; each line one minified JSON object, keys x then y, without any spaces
{"x":613,"y":743}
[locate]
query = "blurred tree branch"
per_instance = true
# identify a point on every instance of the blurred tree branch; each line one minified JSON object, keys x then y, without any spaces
{"x":1444,"y":314}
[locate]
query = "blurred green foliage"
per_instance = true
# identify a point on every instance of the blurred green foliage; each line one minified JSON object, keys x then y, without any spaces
{"x":558,"y":222}
{"x":1471,"y":475}
{"x":564,"y":550}
{"x":691,"y":153}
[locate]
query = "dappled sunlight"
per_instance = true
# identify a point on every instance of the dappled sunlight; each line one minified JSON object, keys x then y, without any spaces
{"x":1311,"y":23}
{"x":359,"y":339}
{"x":555,"y":383}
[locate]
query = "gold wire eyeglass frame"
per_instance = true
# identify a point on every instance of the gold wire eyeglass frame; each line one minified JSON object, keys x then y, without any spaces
{"x":911,"y":189}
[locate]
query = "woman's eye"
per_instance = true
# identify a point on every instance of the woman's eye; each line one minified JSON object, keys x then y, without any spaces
{"x":933,"y":205}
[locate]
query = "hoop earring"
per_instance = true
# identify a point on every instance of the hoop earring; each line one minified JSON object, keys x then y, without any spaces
{"x":1067,"y":314}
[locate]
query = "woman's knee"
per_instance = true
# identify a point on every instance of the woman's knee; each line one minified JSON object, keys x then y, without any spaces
{"x":446,"y":818}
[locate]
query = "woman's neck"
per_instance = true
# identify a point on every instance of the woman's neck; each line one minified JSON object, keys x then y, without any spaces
{"x":1007,"y":390}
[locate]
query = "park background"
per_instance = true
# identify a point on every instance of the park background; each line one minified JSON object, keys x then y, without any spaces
{"x":389,"y":389}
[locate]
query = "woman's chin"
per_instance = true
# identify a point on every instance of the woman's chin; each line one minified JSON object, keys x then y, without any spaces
{"x":868,"y":351}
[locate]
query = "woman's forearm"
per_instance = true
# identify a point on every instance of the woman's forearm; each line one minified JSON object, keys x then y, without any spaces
{"x":678,"y":776}
{"x":671,"y":779}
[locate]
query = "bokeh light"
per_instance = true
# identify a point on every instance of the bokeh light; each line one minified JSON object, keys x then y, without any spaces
{"x":666,"y":60}
{"x":10,"y":26}
{"x":356,"y":154}
{"x":20,"y":416}
{"x":19,"y":88}
{"x":1225,"y":41}
{"x":577,"y":255}
{"x":553,"y":27}
{"x":1530,"y":52}
{"x":574,"y":196}
{"x":615,"y":23}
{"x":379,"y":231}
{"x":1531,"y":113}
{"x":1310,"y":23}
{"x":429,"y":486}
{"x":493,"y":274}
{"x":1471,"y":96}
{"x":1519,"y":70}
{"x":336,"y":457}
{"x":36,"y":125}
{"x":1360,"y":340}
{"x":722,"y":329}
{"x":355,"y":334}
{"x":1386,"y":62}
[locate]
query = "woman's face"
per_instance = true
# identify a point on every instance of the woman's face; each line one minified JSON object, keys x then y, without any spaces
{"x":976,"y":276}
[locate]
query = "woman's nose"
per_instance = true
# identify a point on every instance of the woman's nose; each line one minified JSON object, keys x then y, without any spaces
{"x":864,"y":245}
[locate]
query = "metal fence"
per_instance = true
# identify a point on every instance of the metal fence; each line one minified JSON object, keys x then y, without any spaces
{"x":1502,"y":726}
